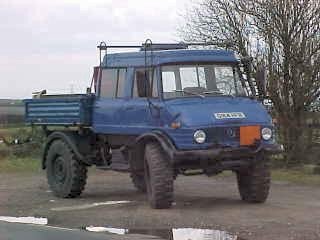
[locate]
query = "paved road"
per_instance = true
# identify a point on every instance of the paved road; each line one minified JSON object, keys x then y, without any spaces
{"x":291,"y":212}
{"x":32,"y":232}
{"x":15,"y":231}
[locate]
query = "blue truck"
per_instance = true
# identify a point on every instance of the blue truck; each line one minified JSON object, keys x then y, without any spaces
{"x":167,"y":110}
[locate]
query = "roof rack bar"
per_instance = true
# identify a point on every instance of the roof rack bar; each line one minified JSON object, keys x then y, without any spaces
{"x":104,"y":47}
{"x":148,"y":45}
{"x":200,"y":43}
{"x":158,"y":45}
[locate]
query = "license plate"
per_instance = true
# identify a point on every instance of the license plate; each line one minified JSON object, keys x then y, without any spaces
{"x":228,"y":115}
{"x":249,"y":135}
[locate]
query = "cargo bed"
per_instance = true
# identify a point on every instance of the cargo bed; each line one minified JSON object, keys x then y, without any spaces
{"x":62,"y":110}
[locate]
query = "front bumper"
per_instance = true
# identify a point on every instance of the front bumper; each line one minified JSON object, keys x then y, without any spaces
{"x":223,"y":154}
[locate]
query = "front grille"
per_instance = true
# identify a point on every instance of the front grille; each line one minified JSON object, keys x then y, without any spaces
{"x":223,"y":135}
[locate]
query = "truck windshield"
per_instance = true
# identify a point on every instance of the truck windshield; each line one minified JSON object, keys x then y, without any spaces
{"x":201,"y":80}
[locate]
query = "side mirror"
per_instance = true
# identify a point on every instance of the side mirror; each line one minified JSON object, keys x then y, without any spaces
{"x":261,"y":81}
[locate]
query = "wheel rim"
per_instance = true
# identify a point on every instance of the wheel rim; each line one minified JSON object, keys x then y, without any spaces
{"x":59,"y":170}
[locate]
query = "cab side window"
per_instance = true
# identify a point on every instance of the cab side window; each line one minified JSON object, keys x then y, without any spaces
{"x":108,"y":83}
{"x":112,"y":82}
{"x":145,"y":83}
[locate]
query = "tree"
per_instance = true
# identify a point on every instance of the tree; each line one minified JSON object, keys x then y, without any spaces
{"x":284,"y":35}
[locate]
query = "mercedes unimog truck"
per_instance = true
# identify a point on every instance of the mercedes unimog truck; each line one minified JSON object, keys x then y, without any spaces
{"x":167,"y":110}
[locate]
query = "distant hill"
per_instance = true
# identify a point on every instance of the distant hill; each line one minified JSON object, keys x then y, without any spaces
{"x":11,"y":102}
{"x":11,"y":111}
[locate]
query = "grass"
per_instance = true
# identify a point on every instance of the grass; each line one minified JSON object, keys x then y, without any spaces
{"x":18,"y":158}
{"x":298,"y":176}
{"x":304,"y":175}
{"x":33,"y":164}
{"x":25,"y":164}
{"x":26,"y":159}
{"x":9,"y":131}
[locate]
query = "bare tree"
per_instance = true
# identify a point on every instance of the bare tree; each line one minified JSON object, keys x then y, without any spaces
{"x":282,"y":34}
{"x":291,"y":31}
{"x":220,"y":23}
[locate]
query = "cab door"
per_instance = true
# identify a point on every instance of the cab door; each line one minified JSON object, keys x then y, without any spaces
{"x":141,"y":111}
{"x":108,"y":108}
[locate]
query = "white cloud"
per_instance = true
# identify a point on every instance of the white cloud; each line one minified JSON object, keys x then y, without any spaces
{"x":52,"y":44}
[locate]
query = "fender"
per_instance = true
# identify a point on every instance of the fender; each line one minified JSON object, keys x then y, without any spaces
{"x":161,"y":138}
{"x":73,"y":140}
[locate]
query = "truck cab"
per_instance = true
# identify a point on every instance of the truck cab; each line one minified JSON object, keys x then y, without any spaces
{"x":169,"y":110}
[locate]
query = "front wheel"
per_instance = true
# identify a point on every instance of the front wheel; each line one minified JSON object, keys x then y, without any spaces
{"x":254,"y":182}
{"x":158,"y":176}
{"x":65,"y":173}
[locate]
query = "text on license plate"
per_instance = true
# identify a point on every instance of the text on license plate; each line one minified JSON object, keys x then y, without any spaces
{"x":227,"y":115}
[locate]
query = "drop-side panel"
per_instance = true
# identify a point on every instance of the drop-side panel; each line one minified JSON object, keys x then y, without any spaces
{"x":59,"y":110}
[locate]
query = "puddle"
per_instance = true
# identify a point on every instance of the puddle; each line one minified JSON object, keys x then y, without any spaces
{"x":171,"y":234}
{"x":120,"y":231}
{"x":86,"y":206}
{"x":28,"y":220}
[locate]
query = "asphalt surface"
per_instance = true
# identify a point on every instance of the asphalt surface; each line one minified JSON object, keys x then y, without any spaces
{"x":15,"y":231}
{"x":292,"y":212}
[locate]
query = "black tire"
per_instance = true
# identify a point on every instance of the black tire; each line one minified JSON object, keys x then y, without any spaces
{"x":139,"y":181}
{"x":254,"y":182}
{"x":66,"y":175}
{"x":159,"y":177}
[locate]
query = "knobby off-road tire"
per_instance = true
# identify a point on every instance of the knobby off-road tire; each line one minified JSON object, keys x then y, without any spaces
{"x":66,"y":175}
{"x":136,"y":169}
{"x":139,"y":181}
{"x":159,"y":177}
{"x":254,"y":182}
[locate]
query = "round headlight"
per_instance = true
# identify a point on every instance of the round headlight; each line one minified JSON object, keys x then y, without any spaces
{"x":266,"y":133}
{"x":199,"y":136}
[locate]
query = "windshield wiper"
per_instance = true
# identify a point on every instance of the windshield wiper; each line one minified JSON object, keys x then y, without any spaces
{"x":213,"y":91}
{"x":219,"y":92}
{"x":191,"y":93}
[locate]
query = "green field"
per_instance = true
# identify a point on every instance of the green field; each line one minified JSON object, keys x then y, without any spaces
{"x":22,"y":157}
{"x":26,"y":157}
{"x":299,"y":176}
{"x":14,"y":164}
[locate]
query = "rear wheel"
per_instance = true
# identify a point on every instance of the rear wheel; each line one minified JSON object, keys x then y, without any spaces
{"x":65,"y":173}
{"x":138,"y":181}
{"x":254,"y":182}
{"x":158,"y":176}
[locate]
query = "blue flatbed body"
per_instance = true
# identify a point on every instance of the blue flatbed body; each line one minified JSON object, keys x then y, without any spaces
{"x":63,"y":110}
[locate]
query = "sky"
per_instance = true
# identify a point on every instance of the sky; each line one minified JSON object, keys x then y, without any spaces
{"x":51,"y":44}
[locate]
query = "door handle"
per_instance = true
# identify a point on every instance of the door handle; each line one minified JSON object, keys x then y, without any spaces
{"x":129,"y":108}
